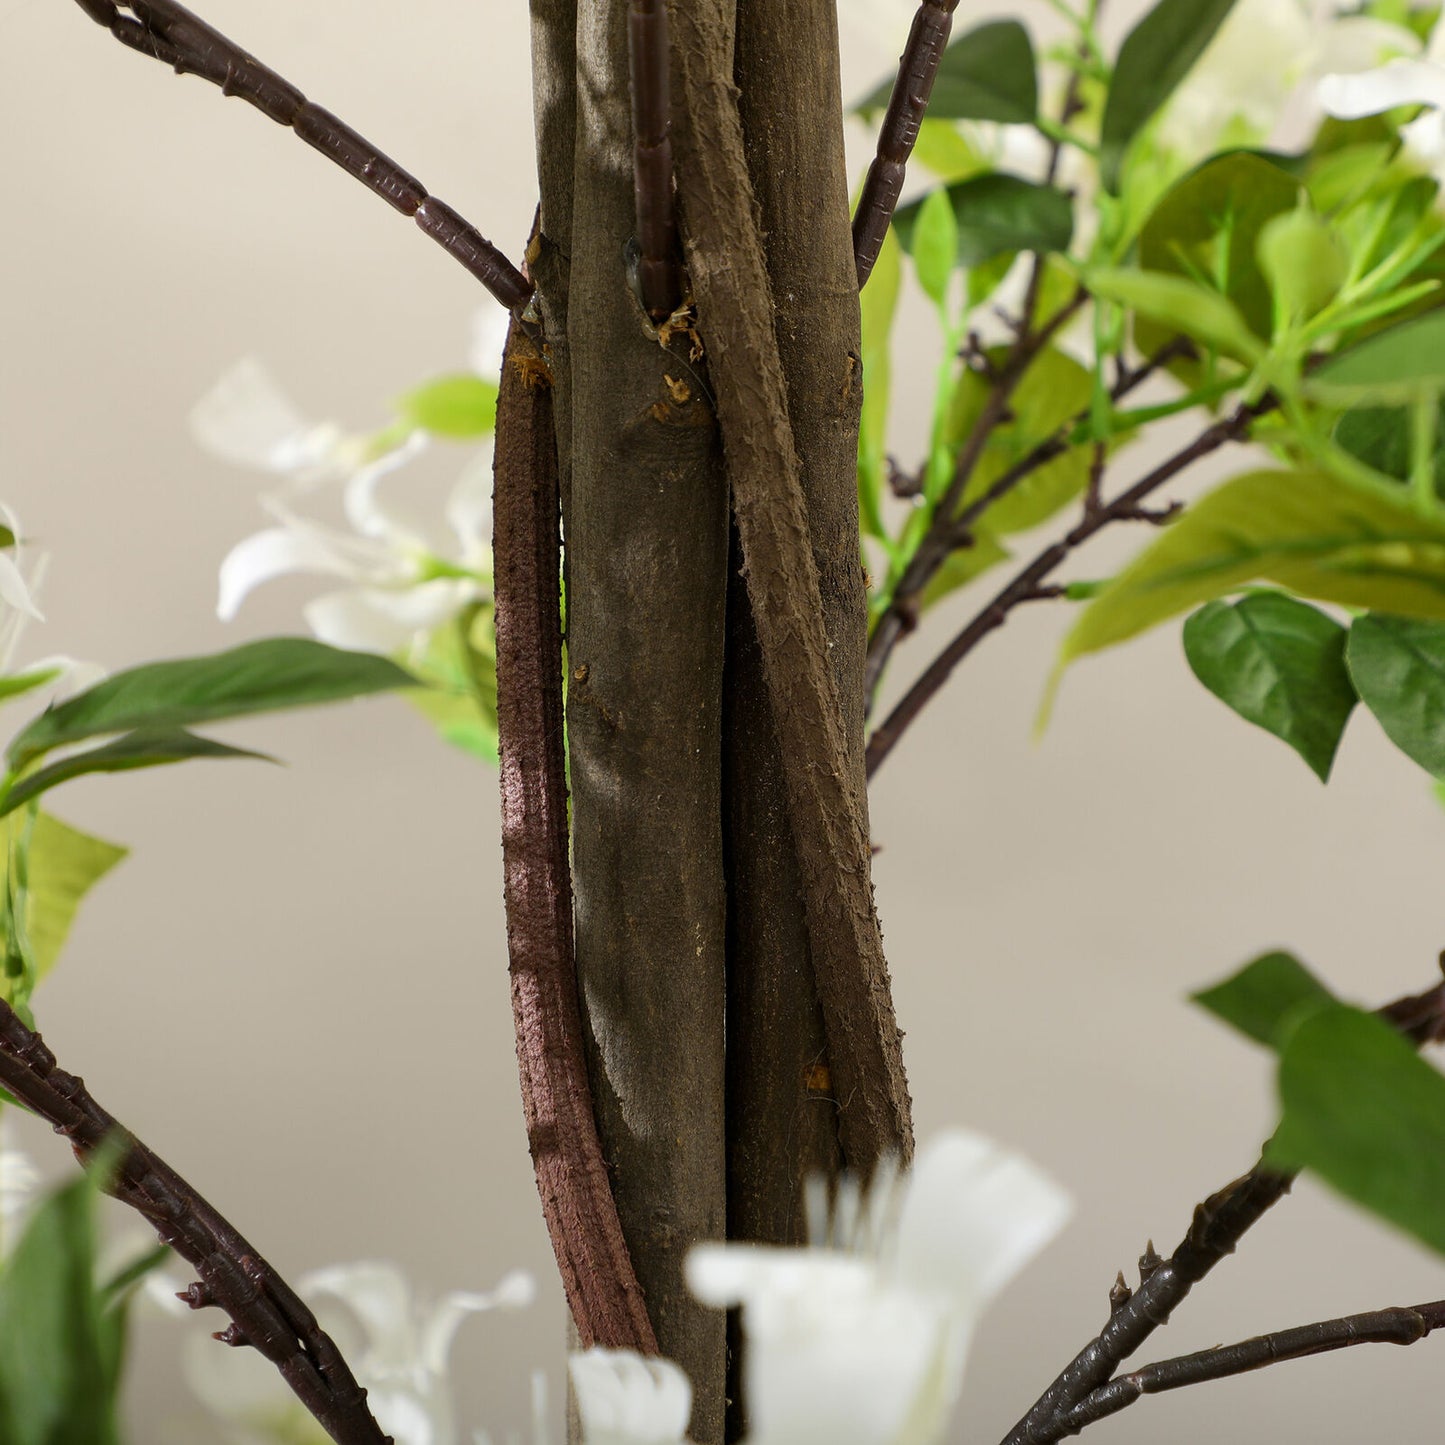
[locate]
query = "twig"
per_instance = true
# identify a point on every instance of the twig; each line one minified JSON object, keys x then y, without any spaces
{"x":1214,"y":1232}
{"x":885,"y":737}
{"x":581,"y":1214}
{"x":917,"y":70}
{"x":1396,"y":1326}
{"x":170,"y":33}
{"x":265,"y":1312}
{"x":658,"y":274}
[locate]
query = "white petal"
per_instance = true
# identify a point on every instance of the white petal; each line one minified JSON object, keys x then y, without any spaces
{"x":489,"y":338}
{"x":246,"y":419}
{"x":73,"y":676}
{"x":1401,"y":82}
{"x":14,"y":590}
{"x":377,"y":1293}
{"x":275,"y":553}
{"x":1424,"y":138}
{"x":624,"y":1398}
{"x":19,"y":1179}
{"x":973,"y":1216}
{"x":375,"y":620}
{"x":469,"y":508}
{"x":516,"y":1291}
{"x":366,"y":513}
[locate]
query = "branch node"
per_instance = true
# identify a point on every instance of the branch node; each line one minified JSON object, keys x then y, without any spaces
{"x":1119,"y":1294}
{"x":1149,"y":1261}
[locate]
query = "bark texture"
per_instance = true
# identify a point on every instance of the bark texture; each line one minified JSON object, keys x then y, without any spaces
{"x":782,"y":1111}
{"x":645,"y":518}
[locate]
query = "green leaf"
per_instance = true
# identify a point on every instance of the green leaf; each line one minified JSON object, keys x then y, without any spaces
{"x":1279,"y":664}
{"x":59,"y":1342}
{"x":1179,"y":304}
{"x":1305,"y":530}
{"x":460,"y":407}
{"x":935,"y":246}
{"x":1303,"y":264}
{"x":988,"y":73}
{"x":144,"y":748}
{"x":460,"y":668}
{"x":1398,"y":666}
{"x":1208,"y":228}
{"x":1380,"y":436}
{"x":1054,"y":390}
{"x":1367,"y":1114}
{"x":963,"y":565}
{"x":1155,"y":56}
{"x":279,"y":672}
{"x":22,"y":682}
{"x":997,"y":213}
{"x":64,"y":865}
{"x":879,"y":302}
{"x":1391,"y":366}
{"x":947,"y":152}
{"x":1265,"y":996}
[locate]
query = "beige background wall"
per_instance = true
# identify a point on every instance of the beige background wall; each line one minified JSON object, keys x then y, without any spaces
{"x":296,"y":987}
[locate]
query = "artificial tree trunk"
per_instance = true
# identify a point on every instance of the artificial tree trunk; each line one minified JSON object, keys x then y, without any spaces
{"x":706,"y":886}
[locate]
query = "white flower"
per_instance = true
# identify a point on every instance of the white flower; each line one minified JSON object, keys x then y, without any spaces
{"x":1402,"y":82}
{"x":624,"y":1398}
{"x":396,"y":1347}
{"x":19,"y":1180}
{"x":1254,"y":81}
{"x":868,"y":1348}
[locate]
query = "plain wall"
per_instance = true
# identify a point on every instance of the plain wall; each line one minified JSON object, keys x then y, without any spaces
{"x":295,"y":989}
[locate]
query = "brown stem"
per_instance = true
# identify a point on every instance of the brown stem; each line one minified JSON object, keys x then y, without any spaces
{"x":659,"y":278}
{"x":1215,"y":1231}
{"x":1396,"y":1326}
{"x":1025,"y":585}
{"x":169,"y":32}
{"x":917,"y":70}
{"x":265,"y":1312}
{"x":597,"y":1272}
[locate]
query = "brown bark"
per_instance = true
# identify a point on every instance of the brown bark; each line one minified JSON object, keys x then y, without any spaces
{"x":646,"y":530}
{"x":725,"y":257}
{"x":782,"y":1112}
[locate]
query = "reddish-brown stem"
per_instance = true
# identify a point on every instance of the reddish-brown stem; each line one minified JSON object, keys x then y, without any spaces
{"x":917,"y":70}
{"x":658,"y":274}
{"x":265,"y":1312}
{"x":597,"y":1272}
{"x":170,"y":33}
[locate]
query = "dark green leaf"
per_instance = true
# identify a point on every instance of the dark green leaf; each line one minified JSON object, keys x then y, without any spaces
{"x":59,"y":1343}
{"x":1265,"y":996}
{"x":1380,"y":437}
{"x":1367,"y":1114}
{"x":1156,"y":55}
{"x":989,"y":73}
{"x":1279,"y":664}
{"x":998,"y":213}
{"x":144,"y":748}
{"x":280,"y":672}
{"x":460,"y":407}
{"x":1398,"y":666}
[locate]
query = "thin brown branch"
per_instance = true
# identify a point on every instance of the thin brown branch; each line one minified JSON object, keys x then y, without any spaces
{"x":917,"y":70}
{"x":265,"y":1312}
{"x":659,"y":277}
{"x":1025,"y":585}
{"x":1215,"y":1232}
{"x":726,"y":262}
{"x":170,"y":33}
{"x":581,"y":1214}
{"x":1394,"y":1326}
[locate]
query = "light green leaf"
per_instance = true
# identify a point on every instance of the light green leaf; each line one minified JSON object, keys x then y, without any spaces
{"x":1208,"y":227}
{"x":879,"y":302}
{"x":997,"y":213}
{"x":144,"y":748}
{"x":1280,"y":664}
{"x":22,"y":682}
{"x":1398,"y":666}
{"x":460,"y":407}
{"x":1305,"y":530}
{"x":279,"y":672}
{"x":963,"y":565}
{"x":1265,"y":997}
{"x":935,"y":247}
{"x":946,"y":151}
{"x":989,"y":73}
{"x":1303,"y":265}
{"x":1392,"y":366}
{"x":64,"y":865}
{"x":1054,"y":390}
{"x":1155,"y":56}
{"x":1367,"y":1114}
{"x":1179,"y":304}
{"x":460,"y":701}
